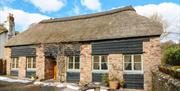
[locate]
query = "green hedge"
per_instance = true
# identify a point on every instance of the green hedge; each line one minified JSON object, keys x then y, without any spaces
{"x":171,"y":55}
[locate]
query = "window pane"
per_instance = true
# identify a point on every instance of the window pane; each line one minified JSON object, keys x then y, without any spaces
{"x":127,"y":58}
{"x":17,"y":62}
{"x":104,"y":66}
{"x":127,"y":66}
{"x":77,"y":59}
{"x":96,"y":65}
{"x":76,"y":65}
{"x":137,"y":66}
{"x":34,"y":62}
{"x":70,"y":59}
{"x":70,"y":65}
{"x":13,"y":62}
{"x":104,"y":59}
{"x":96,"y":58}
{"x":137,"y":58}
{"x":29,"y":63}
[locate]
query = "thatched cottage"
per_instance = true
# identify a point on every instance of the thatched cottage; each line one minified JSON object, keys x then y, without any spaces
{"x":118,"y":42}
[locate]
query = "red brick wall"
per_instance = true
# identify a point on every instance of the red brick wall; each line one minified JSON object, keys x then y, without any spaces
{"x":8,"y":59}
{"x":40,"y":62}
{"x":85,"y":64}
{"x":151,"y":58}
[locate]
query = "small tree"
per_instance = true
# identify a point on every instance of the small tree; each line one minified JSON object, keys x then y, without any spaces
{"x":158,"y":18}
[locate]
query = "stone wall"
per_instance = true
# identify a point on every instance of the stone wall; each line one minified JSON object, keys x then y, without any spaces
{"x":115,"y":65}
{"x":164,"y":82}
{"x":40,"y":62}
{"x":22,"y":67}
{"x":151,"y":58}
{"x":8,"y":60}
{"x":85,"y":64}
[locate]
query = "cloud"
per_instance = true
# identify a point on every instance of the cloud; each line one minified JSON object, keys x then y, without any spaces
{"x":93,"y":5}
{"x":22,"y":19}
{"x":48,"y":5}
{"x":170,"y":13}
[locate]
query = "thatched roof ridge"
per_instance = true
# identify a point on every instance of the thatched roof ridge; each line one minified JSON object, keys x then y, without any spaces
{"x":128,"y":8}
{"x":114,"y":24}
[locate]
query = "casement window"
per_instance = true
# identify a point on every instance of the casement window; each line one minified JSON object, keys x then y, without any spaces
{"x":73,"y":63}
{"x":133,"y":63}
{"x":31,"y":62}
{"x":15,"y":63}
{"x":100,"y":62}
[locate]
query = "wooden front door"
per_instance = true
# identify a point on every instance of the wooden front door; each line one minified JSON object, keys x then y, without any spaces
{"x":55,"y":72}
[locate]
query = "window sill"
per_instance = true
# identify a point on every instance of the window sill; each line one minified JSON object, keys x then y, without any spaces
{"x":133,"y":72}
{"x":100,"y":71}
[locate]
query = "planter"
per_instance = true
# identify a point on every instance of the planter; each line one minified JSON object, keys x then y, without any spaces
{"x":113,"y":84}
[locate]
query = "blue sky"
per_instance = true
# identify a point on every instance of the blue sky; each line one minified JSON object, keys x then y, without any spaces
{"x":27,"y":12}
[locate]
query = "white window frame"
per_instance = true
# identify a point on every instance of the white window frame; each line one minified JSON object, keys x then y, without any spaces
{"x":73,"y":69}
{"x":100,"y":70}
{"x":31,"y":69}
{"x":16,"y":59}
{"x":132,"y":63}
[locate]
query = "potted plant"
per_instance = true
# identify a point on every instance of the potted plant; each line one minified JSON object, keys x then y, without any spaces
{"x":122,"y":83}
{"x":114,"y":83}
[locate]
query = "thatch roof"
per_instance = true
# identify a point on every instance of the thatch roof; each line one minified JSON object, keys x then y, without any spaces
{"x":2,"y":29}
{"x":118,"y":23}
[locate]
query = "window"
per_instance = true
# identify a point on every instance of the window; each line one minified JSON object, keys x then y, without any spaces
{"x":99,"y":62}
{"x":31,"y":62}
{"x":73,"y":62}
{"x":15,"y":63}
{"x":133,"y":62}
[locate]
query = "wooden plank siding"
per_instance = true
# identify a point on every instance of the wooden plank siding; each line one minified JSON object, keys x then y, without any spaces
{"x":73,"y":77}
{"x":97,"y":77}
{"x":134,"y":81}
{"x":30,"y":73}
{"x":122,"y":46}
{"x":23,"y":51}
{"x":14,"y":72}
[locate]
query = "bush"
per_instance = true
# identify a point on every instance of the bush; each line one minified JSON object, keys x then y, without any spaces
{"x":105,"y":80}
{"x":174,"y":71}
{"x":172,"y":56}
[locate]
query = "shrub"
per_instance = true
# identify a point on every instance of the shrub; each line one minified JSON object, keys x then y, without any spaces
{"x":172,"y":56}
{"x":105,"y":79}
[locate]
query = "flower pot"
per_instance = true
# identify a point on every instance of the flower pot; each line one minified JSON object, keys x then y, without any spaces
{"x":113,"y":84}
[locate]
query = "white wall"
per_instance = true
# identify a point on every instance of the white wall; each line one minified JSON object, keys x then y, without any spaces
{"x":3,"y":39}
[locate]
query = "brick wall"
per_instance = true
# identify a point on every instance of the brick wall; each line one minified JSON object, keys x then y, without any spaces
{"x":115,"y":65}
{"x":22,"y":67}
{"x":8,"y":60}
{"x":40,"y":62}
{"x":85,"y":64}
{"x":151,"y":57}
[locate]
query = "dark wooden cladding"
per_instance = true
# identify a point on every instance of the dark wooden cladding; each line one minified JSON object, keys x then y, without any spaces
{"x":134,"y":81}
{"x":14,"y":73}
{"x":97,"y":77}
{"x":73,"y":77}
{"x":23,"y":51}
{"x":124,"y":46}
{"x":30,"y":73}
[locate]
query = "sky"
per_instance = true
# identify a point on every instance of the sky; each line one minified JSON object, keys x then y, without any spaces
{"x":27,"y":12}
